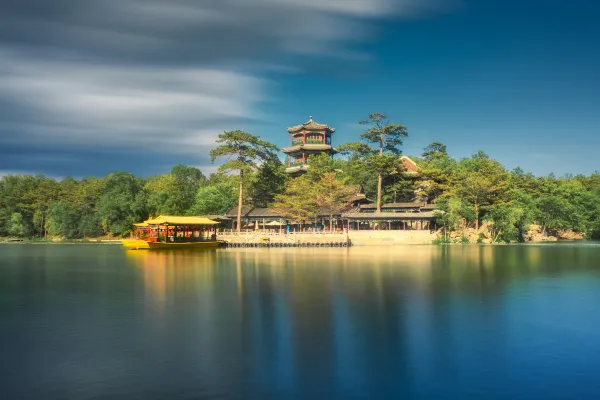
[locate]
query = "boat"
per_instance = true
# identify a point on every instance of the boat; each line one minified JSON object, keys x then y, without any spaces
{"x":168,"y":232}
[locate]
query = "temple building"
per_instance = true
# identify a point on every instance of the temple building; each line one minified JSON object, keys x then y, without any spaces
{"x":359,"y":211}
{"x":306,"y":141}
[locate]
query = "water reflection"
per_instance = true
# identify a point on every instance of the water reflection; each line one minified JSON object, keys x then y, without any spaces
{"x":389,"y":322}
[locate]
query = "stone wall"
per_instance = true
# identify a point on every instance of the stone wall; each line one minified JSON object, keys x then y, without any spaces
{"x":358,"y":238}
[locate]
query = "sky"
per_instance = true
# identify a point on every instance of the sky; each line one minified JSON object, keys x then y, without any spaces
{"x":90,"y":87}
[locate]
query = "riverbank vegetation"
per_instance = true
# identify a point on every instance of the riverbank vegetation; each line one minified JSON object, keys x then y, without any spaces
{"x":468,"y":192}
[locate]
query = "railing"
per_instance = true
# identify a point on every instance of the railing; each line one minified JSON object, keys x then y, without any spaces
{"x":230,"y":232}
{"x":300,"y":142}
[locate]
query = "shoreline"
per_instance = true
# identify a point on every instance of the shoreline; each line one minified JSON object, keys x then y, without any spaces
{"x":380,"y":240}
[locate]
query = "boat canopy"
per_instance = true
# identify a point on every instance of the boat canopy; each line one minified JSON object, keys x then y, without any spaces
{"x":177,"y":220}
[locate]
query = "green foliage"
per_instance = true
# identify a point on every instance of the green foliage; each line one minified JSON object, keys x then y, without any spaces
{"x":331,"y":194}
{"x":466,"y":191}
{"x":214,"y":200}
{"x":387,"y":137}
{"x":378,"y":150}
{"x":19,"y":226}
{"x":173,"y":193}
{"x":441,"y":240}
{"x":89,"y":226}
{"x":63,"y":220}
{"x":434,"y":150}
{"x":268,"y":182}
{"x":297,"y":201}
{"x":116,"y":206}
{"x":244,"y":152}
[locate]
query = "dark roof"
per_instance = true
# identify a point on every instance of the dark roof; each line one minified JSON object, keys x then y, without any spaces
{"x":263,"y":212}
{"x":234,"y":210}
{"x":359,"y":197}
{"x":393,"y":205}
{"x":222,"y":217}
{"x":429,"y":207}
{"x":390,"y":216}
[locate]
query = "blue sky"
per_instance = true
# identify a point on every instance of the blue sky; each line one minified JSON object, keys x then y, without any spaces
{"x":143,"y":85}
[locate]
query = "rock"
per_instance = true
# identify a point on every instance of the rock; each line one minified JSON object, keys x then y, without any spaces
{"x":568,"y":234}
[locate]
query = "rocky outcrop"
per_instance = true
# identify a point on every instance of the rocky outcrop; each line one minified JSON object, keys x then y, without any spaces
{"x":534,"y":234}
{"x":568,"y":234}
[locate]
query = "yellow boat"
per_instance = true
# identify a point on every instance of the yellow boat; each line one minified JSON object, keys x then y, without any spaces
{"x":135,"y":244}
{"x":185,"y":245}
{"x":174,"y":232}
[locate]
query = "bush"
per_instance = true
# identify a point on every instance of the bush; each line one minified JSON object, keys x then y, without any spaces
{"x":441,"y":240}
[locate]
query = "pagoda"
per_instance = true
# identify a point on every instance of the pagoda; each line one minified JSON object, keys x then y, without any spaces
{"x":306,"y":141}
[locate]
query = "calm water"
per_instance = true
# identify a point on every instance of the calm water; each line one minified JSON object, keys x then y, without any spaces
{"x":460,"y":322}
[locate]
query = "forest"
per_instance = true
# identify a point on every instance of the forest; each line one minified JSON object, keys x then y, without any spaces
{"x":467,"y":192}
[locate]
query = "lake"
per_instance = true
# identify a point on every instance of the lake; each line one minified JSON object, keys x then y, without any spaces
{"x":408,"y":322}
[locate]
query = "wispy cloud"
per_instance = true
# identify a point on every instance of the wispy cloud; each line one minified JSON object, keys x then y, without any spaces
{"x":89,"y":77}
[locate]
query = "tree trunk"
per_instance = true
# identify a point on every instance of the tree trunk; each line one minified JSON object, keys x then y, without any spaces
{"x":379,"y":184}
{"x":476,"y":216}
{"x":330,"y":219}
{"x":239,"y":213}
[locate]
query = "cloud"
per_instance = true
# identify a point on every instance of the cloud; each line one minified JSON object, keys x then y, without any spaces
{"x":87,"y":78}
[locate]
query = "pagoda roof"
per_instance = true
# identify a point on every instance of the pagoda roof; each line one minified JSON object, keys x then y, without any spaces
{"x":308,"y":147}
{"x":310,"y":125}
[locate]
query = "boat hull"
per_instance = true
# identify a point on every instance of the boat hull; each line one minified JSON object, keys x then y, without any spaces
{"x":135,"y":244}
{"x":191,"y":245}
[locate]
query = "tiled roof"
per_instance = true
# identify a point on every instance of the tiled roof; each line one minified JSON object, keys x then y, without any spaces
{"x":309,"y":146}
{"x":311,"y":126}
{"x":233,"y":211}
{"x":263,"y":212}
{"x":394,"y":205}
{"x":409,"y":164}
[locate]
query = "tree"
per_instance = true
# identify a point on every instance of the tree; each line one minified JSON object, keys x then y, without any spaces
{"x":19,"y":226}
{"x":162,"y":195}
{"x":63,"y":220}
{"x":297,"y":201}
{"x":331,"y":194}
{"x":448,"y":215}
{"x":244,"y":151}
{"x":380,"y":147}
{"x":117,"y":206}
{"x":504,"y":222}
{"x":187,"y":181}
{"x":174,"y":193}
{"x":434,"y":150}
{"x":216,"y":199}
{"x":552,"y":212}
{"x":480,"y":181}
{"x":269,"y":181}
